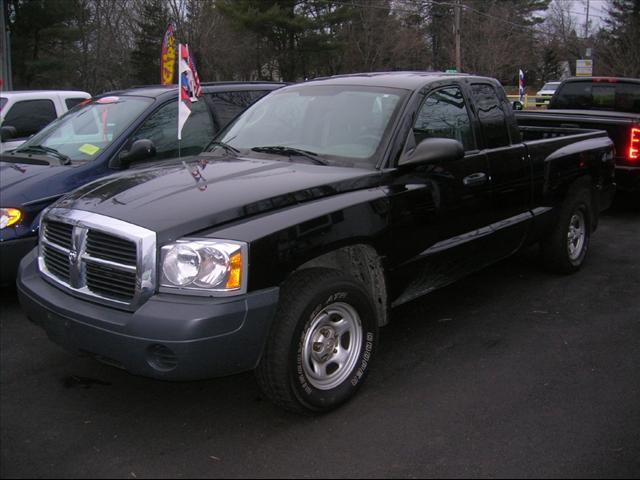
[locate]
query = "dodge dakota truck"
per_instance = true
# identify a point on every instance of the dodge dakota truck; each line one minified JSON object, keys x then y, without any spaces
{"x":283,"y":247}
{"x":601,"y":103}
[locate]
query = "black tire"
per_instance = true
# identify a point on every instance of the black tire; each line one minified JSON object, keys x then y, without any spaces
{"x":566,"y":247}
{"x":313,"y":304}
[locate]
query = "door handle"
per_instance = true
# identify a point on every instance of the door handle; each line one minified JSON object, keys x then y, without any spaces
{"x":475,"y":179}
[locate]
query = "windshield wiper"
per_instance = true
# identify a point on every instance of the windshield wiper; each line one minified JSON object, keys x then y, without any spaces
{"x":48,"y":150}
{"x":284,"y":150}
{"x":227,"y":148}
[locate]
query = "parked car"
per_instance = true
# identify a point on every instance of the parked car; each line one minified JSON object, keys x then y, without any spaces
{"x":546,"y":92}
{"x":114,"y":132}
{"x":283,"y":247}
{"x":24,"y":113}
{"x":603,"y":103}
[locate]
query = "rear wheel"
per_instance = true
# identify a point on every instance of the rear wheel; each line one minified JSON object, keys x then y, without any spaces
{"x":565,"y":249}
{"x":321,"y":344}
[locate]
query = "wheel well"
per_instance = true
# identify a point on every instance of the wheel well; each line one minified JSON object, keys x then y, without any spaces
{"x":363,"y":263}
{"x":586,"y":183}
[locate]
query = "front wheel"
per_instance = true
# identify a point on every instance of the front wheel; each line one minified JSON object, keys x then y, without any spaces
{"x":321,"y":344}
{"x":565,"y":249}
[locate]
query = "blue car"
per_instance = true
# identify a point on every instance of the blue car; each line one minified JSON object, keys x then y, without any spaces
{"x":111,"y":133}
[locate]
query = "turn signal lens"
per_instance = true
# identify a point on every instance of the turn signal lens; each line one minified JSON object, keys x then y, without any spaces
{"x":634,"y":144}
{"x":235,"y":270}
{"x":9,"y":217}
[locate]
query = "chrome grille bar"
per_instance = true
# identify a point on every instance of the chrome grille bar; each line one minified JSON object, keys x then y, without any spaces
{"x":102,"y":258}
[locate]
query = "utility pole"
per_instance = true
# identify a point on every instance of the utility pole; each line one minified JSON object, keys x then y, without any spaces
{"x":458,"y":8}
{"x":5,"y":47}
{"x":586,"y":23}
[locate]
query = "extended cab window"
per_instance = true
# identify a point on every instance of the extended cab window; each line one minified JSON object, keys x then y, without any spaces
{"x":586,"y":95}
{"x":491,"y":116}
{"x":162,"y":129}
{"x":30,"y":116}
{"x":3,"y":102}
{"x":444,"y":115}
{"x":228,"y":105}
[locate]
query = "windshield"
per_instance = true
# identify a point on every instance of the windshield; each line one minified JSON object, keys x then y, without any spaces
{"x":88,"y":129}
{"x":345,"y":124}
{"x":550,"y":86}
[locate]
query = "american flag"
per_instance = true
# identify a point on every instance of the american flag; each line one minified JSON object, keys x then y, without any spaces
{"x":188,"y":87}
{"x":521,"y":85}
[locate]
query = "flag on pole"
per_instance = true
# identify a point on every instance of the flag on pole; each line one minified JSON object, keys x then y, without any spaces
{"x":188,"y":87}
{"x":167,"y":57}
{"x":521,"y":85}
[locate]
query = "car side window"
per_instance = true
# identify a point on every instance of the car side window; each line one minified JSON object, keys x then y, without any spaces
{"x":228,"y":105}
{"x":443,"y":114}
{"x":162,"y":129}
{"x":491,"y":116}
{"x":30,"y":116}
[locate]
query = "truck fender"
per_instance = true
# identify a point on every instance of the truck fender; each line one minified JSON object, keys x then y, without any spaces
{"x":362,"y":262}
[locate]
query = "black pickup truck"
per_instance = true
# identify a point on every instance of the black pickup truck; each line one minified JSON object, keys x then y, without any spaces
{"x":283,"y":247}
{"x":601,"y":103}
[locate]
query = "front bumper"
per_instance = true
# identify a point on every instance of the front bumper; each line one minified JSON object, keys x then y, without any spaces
{"x":11,"y":252}
{"x":170,"y":337}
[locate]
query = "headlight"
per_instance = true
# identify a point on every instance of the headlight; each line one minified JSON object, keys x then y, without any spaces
{"x":9,"y":216}
{"x":216,"y":267}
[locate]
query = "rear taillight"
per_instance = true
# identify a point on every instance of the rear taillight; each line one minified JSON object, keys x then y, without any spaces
{"x":634,"y":143}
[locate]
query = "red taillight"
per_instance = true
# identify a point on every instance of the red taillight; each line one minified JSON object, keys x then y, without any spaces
{"x":634,"y":144}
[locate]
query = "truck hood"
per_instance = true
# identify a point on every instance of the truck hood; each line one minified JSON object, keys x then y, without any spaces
{"x":23,"y":182}
{"x":184,"y":198}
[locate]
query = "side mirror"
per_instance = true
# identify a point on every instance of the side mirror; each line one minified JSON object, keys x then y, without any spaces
{"x":517,"y":105}
{"x":139,"y":150}
{"x":434,"y":149}
{"x":7,"y":132}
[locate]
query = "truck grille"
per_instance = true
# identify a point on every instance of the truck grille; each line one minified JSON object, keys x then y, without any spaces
{"x":99,"y":257}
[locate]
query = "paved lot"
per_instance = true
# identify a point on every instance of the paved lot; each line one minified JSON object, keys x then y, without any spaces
{"x":510,"y":372}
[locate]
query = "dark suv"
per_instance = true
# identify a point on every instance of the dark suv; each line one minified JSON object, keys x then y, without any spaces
{"x":113,"y":132}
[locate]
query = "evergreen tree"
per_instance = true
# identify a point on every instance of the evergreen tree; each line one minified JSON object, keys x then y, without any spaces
{"x":617,"y":49}
{"x":44,"y":35}
{"x":145,"y":58}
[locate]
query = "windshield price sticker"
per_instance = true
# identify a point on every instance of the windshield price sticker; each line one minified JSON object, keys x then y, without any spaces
{"x":89,"y":149}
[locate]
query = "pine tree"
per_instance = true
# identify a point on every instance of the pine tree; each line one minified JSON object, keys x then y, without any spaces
{"x":617,"y":51}
{"x":145,"y":58}
{"x":43,"y":43}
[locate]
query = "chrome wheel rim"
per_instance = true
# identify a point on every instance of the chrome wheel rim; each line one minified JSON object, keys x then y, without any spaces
{"x":331,"y":346}
{"x":576,"y":235}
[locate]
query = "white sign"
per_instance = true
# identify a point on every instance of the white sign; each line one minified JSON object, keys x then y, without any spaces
{"x":584,"y":68}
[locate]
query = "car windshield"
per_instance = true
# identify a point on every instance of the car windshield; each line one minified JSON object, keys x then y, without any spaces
{"x":550,"y":86}
{"x":337,"y":123}
{"x":86,"y":130}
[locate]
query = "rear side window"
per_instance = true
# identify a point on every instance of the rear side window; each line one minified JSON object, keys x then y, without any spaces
{"x":30,"y":116}
{"x":162,"y":129}
{"x":444,"y":115}
{"x":615,"y":96}
{"x":3,"y":102}
{"x":491,"y":116}
{"x":72,"y":102}
{"x":228,"y":105}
